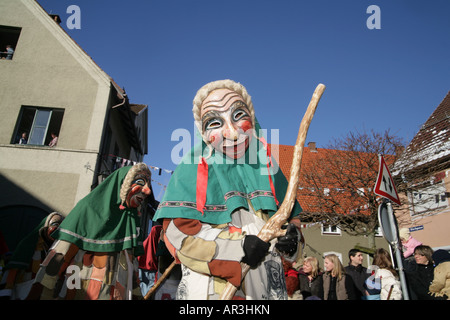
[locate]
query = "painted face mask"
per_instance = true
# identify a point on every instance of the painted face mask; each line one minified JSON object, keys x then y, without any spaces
{"x":108,"y":219}
{"x":226,"y":122}
{"x":206,"y":188}
{"x":51,"y":225}
{"x":140,"y":189}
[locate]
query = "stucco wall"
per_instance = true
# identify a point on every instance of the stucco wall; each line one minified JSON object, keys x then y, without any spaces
{"x":50,"y":70}
{"x":317,"y":244}
{"x":57,"y":178}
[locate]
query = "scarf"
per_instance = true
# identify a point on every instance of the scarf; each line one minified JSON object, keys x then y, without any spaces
{"x":224,"y":185}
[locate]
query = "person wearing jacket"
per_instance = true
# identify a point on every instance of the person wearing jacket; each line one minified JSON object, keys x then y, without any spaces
{"x":440,"y":287}
{"x":311,"y":279}
{"x":408,"y":243}
{"x":291,"y":276}
{"x":357,"y":271}
{"x":336,"y":284}
{"x":385,"y":275}
{"x":420,"y":273}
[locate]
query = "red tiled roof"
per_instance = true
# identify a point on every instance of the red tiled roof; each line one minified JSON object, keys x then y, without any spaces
{"x":306,"y":197}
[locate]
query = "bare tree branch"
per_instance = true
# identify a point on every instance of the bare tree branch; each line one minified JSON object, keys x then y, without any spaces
{"x":339,"y":183}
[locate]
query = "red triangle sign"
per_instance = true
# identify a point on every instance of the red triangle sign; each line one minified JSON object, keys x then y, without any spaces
{"x":385,"y":186}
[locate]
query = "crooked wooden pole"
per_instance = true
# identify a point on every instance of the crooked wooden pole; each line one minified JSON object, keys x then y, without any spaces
{"x":272,"y":228}
{"x":160,"y":280}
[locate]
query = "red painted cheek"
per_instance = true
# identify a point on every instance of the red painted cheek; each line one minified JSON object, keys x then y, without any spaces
{"x":134,"y":190}
{"x":246,"y":125}
{"x":214,"y":139}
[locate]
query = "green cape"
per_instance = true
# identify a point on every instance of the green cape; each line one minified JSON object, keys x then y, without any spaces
{"x":97,"y":223}
{"x":23,"y":254}
{"x":230,"y":185}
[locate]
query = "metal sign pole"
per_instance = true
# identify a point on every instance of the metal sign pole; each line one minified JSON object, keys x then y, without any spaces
{"x":398,"y":253}
{"x":385,"y":187}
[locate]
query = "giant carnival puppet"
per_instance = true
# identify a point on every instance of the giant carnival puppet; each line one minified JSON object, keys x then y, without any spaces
{"x":94,"y":256}
{"x":20,"y":271}
{"x":219,"y":199}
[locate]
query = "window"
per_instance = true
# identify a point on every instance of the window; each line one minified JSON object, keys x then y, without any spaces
{"x":429,"y":199}
{"x":378,"y":232}
{"x":38,"y":124}
{"x":9,"y":36}
{"x":330,"y":229}
{"x":338,"y":254}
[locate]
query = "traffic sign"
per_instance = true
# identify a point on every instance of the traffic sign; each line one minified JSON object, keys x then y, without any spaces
{"x":385,"y":186}
{"x":388,"y":223}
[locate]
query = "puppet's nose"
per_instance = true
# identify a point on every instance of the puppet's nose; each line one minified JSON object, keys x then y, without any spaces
{"x":146,"y":190}
{"x":230,"y":132}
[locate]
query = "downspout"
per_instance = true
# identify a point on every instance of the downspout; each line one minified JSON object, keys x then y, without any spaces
{"x":123,"y":102}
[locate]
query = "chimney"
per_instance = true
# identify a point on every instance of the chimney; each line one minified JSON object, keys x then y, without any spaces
{"x":312,"y":146}
{"x":56,"y":18}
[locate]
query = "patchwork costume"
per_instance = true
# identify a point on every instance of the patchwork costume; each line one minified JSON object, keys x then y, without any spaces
{"x":20,"y":271}
{"x":94,"y":255}
{"x":219,"y":198}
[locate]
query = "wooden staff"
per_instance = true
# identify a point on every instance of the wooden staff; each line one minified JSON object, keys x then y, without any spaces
{"x":160,"y":280}
{"x":272,"y":229}
{"x":390,"y":292}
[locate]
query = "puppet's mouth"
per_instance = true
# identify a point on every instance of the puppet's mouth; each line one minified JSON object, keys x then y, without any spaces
{"x":228,"y":143}
{"x":139,"y":199}
{"x":237,"y":149}
{"x":136,"y":201}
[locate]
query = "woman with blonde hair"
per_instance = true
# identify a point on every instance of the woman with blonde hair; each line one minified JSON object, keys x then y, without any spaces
{"x":336,"y":285}
{"x":310,"y":278}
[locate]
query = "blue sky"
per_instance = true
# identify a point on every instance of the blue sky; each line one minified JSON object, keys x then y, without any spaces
{"x":162,"y":52}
